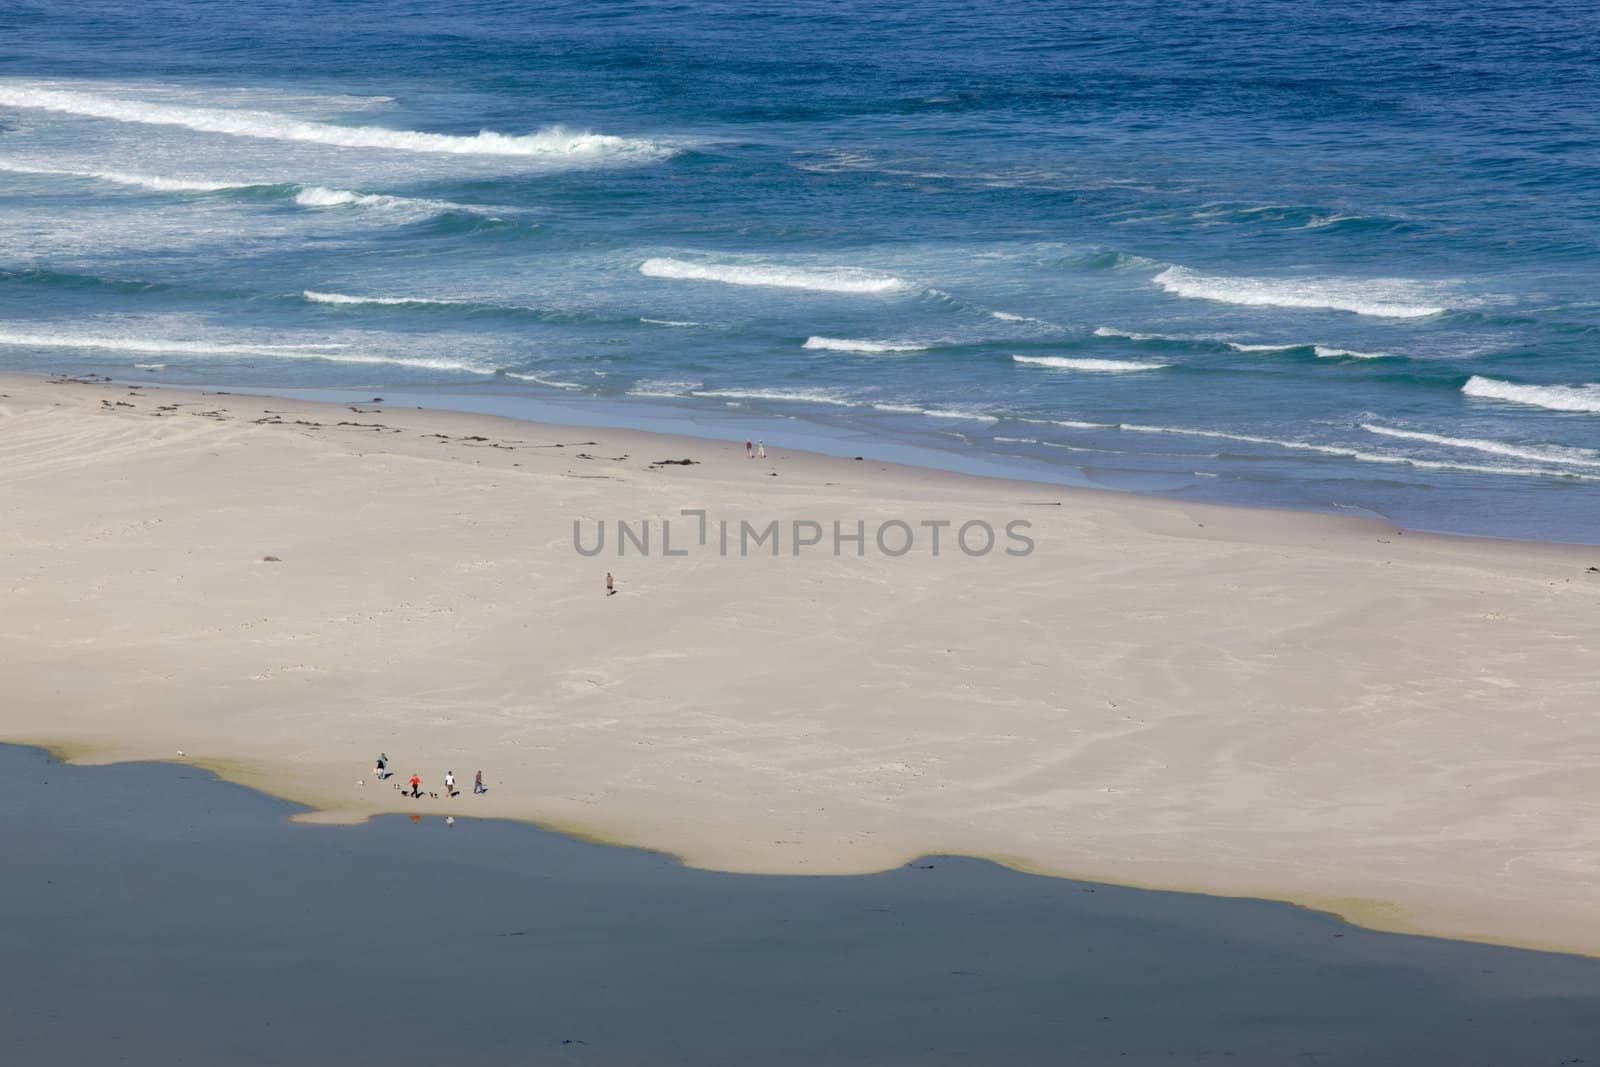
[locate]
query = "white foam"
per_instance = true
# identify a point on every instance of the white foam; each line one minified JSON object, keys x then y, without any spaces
{"x":1334,"y":353}
{"x":1576,"y":457}
{"x":321,"y":196}
{"x":956,"y":413}
{"x":1103,"y":366}
{"x":552,"y":382}
{"x":1238,"y":346}
{"x":1107,"y":331}
{"x":846,"y":344}
{"x":937,"y":413}
{"x":1072,"y":424}
{"x":306,"y":196}
{"x":837,"y":280}
{"x":140,"y":344}
{"x":1381,"y":297}
{"x":150,"y":366}
{"x":1128,"y":335}
{"x":1361,"y":456}
{"x":1551,"y":397}
{"x":1224,"y":435}
{"x":668,"y":322}
{"x":1006,"y":316}
{"x":552,"y":142}
{"x":1317,"y":222}
{"x":333,"y":353}
{"x":341,"y":298}
{"x":804,"y":396}
{"x":663,"y":387}
{"x":143,"y":181}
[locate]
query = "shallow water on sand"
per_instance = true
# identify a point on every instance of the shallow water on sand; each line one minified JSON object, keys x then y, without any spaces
{"x":153,"y":914}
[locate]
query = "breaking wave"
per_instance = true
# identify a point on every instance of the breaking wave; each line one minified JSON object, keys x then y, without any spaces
{"x":1006,"y":316}
{"x":1324,"y":351}
{"x":1107,"y":331}
{"x":320,"y":196}
{"x":937,"y":413}
{"x":341,"y":298}
{"x":804,"y":396}
{"x":1394,"y":298}
{"x":304,"y":195}
{"x":553,"y":142}
{"x":838,"y":280}
{"x":1104,"y":366}
{"x":1577,"y":457}
{"x":845,"y":344}
{"x":1358,"y":454}
{"x":1551,"y":397}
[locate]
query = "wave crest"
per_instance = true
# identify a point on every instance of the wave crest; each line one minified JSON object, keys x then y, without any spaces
{"x":936,"y":413}
{"x":805,"y":396}
{"x":846,"y":344}
{"x":304,"y":195}
{"x":1577,"y":457}
{"x":1550,"y":397}
{"x":836,"y":280}
{"x":1104,"y":366}
{"x":551,"y":142}
{"x":1360,"y":456}
{"x":1392,"y":298}
{"x":341,"y":298}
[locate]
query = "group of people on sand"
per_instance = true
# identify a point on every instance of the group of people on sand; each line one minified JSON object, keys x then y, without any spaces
{"x":413,"y":788}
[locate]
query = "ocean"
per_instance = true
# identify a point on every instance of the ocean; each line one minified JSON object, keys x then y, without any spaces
{"x":1340,"y":257}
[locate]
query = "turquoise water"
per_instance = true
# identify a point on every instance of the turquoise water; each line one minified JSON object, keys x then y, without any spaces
{"x":163,"y":917}
{"x":1342,"y":258}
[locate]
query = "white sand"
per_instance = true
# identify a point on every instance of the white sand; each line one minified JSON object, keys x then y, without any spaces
{"x":1398,"y":727}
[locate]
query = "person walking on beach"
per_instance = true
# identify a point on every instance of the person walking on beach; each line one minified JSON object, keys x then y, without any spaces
{"x":477,"y":784}
{"x":761,"y":450}
{"x":449,"y":783}
{"x":382,"y":767}
{"x":611,"y":585}
{"x":749,"y":450}
{"x":416,"y":786}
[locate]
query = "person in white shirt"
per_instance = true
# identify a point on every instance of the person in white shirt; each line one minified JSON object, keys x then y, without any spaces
{"x":449,"y":783}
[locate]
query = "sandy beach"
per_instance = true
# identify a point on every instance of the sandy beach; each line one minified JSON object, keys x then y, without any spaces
{"x":1394,"y":726}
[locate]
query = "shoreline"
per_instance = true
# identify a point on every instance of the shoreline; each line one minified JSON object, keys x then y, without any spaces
{"x":804,"y":684}
{"x":820,"y":438}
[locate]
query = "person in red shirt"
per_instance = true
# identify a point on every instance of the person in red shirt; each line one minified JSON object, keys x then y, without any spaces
{"x":416,"y":786}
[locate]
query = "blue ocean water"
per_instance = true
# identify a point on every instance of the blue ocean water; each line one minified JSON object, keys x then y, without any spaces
{"x":1320,"y":256}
